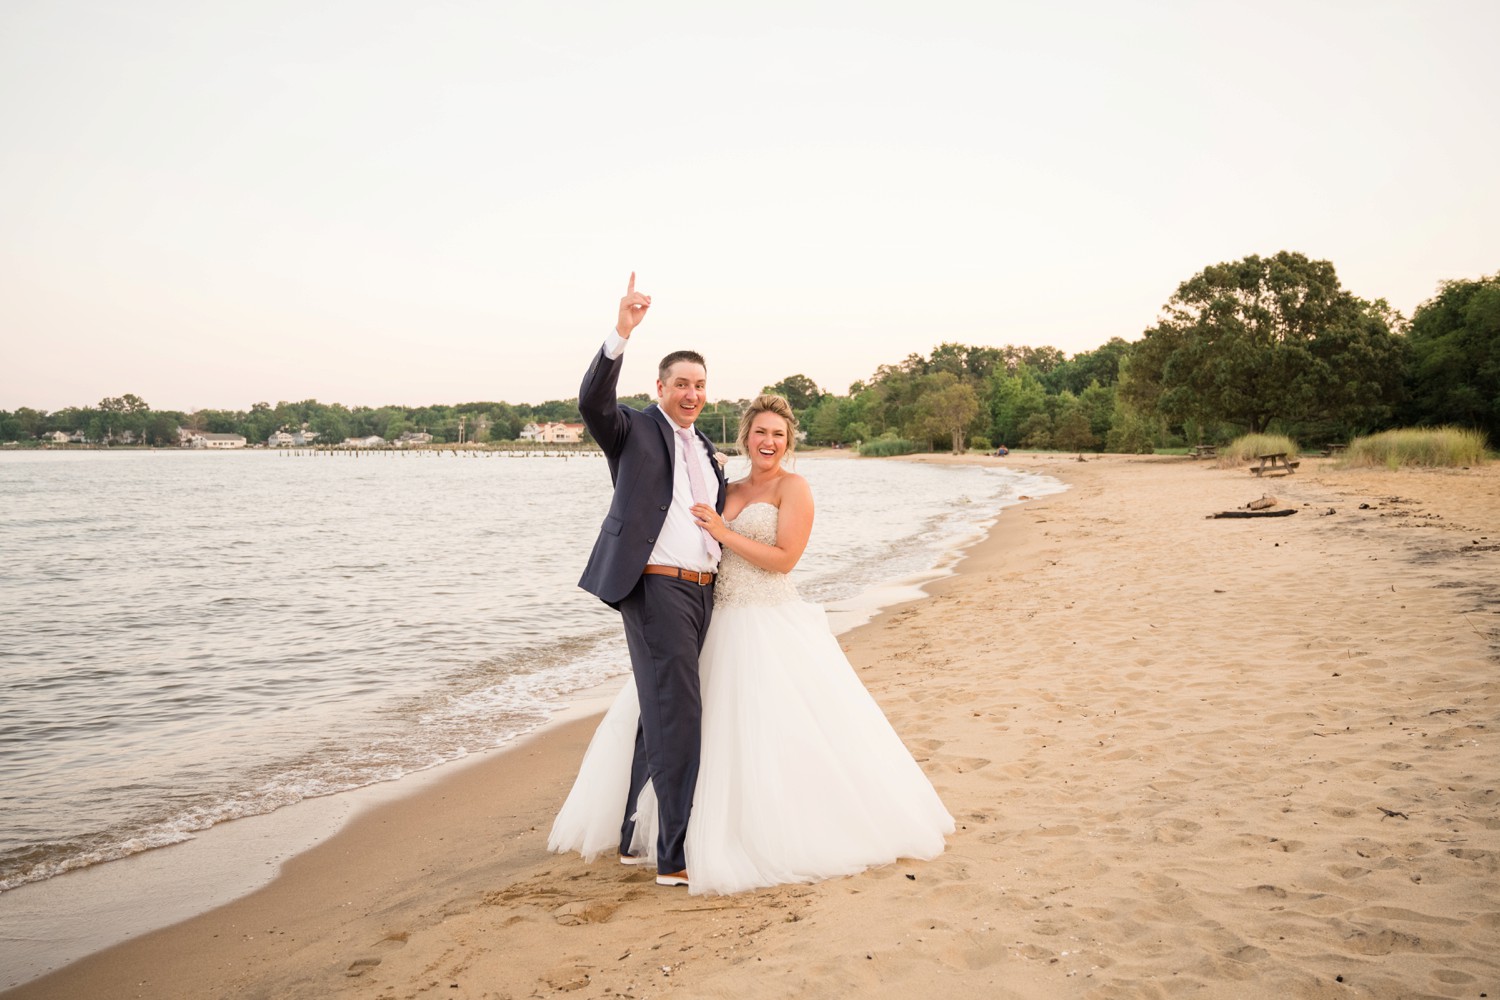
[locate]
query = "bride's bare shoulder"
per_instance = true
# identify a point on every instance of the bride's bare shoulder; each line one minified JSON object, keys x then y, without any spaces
{"x":792,"y":486}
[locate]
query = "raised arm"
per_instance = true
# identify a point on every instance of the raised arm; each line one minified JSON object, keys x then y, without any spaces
{"x":793,"y":527}
{"x":632,"y":309}
{"x":597,"y":396}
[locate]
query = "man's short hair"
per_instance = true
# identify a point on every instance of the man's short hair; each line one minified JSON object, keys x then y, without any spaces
{"x":665,"y":368}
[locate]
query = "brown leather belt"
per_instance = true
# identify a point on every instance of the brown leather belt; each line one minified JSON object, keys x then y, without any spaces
{"x":701,"y":579}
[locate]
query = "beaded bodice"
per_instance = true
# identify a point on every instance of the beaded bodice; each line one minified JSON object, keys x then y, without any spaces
{"x":741,"y":583}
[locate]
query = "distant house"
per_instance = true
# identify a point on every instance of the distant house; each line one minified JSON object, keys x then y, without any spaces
{"x":281,"y":439}
{"x":373,"y":441}
{"x":411,"y":438}
{"x":56,"y":437}
{"x":555,"y":432}
{"x":78,"y":437}
{"x":218,"y":441}
{"x":303,"y":437}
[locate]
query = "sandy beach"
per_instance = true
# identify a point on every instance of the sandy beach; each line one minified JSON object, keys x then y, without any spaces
{"x":1188,"y":757}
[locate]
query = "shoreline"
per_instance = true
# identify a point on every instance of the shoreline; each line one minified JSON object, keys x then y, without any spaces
{"x":1170,"y":744}
{"x":227,"y":862}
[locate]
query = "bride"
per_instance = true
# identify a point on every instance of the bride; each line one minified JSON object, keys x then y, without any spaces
{"x":801,"y":776}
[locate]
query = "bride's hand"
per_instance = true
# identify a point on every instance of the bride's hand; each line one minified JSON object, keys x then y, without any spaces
{"x":709,"y":520}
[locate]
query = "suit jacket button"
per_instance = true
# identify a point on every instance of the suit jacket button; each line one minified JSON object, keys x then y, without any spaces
{"x":662,"y":507}
{"x":651,"y":540}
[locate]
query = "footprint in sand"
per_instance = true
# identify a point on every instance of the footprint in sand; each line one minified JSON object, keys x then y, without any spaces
{"x":381,"y":948}
{"x":568,"y":978}
{"x":1176,"y":831}
{"x":585,"y":911}
{"x":1247,"y":953}
{"x":1384,"y":942}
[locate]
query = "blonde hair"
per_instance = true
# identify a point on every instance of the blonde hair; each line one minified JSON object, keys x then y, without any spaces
{"x":768,"y":403}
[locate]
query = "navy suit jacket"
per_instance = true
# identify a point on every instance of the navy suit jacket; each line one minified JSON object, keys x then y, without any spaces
{"x":639,"y":446}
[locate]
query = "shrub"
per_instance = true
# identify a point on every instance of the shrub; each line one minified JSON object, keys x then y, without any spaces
{"x":1427,"y":446}
{"x":885,"y":447}
{"x":1243,"y":450}
{"x":981,"y":443}
{"x":1130,"y":434}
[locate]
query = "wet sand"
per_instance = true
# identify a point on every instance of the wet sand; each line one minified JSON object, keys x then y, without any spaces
{"x":1188,"y":757}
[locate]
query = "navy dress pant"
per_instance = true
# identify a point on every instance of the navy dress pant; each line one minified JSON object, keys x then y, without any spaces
{"x":666,"y":620}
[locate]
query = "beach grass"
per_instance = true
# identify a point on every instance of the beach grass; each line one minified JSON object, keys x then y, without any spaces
{"x":885,"y":447}
{"x":1419,"y":446}
{"x":1247,"y":448}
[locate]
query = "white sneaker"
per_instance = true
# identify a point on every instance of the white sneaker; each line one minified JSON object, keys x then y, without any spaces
{"x":675,"y":878}
{"x":631,"y":859}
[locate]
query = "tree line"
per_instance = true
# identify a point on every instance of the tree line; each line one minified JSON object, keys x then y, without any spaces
{"x":129,"y":419}
{"x":1261,"y":344}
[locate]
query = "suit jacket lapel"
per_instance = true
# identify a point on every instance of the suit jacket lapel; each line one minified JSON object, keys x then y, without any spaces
{"x":718,"y":469}
{"x":668,"y":437}
{"x":665,"y":425}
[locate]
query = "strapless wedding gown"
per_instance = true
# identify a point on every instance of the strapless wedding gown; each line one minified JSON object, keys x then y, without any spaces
{"x":801,"y":776}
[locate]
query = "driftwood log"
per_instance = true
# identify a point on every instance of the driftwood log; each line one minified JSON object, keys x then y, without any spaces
{"x":1255,"y":513}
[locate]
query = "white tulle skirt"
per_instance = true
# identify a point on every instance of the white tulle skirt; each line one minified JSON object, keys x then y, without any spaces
{"x":802,"y":778}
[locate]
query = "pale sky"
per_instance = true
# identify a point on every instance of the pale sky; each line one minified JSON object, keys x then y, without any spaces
{"x":371,"y":202}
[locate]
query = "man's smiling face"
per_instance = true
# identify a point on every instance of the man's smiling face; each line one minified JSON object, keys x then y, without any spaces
{"x":684,"y":392}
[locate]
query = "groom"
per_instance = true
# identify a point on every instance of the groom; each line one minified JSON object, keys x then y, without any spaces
{"x":655,"y":565}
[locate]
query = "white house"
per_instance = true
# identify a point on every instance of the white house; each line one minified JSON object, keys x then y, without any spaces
{"x":281,"y":439}
{"x":411,"y":438}
{"x":373,"y":441}
{"x":218,"y":441}
{"x":56,"y":437}
{"x":553,"y":433}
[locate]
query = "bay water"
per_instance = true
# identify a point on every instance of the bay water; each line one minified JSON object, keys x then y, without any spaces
{"x":192,"y":637}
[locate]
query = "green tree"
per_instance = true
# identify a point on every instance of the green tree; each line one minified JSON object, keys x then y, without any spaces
{"x":161,"y":429}
{"x":1036,"y":430}
{"x":972,"y":364}
{"x":825,"y":424}
{"x":108,"y":420}
{"x":946,"y":409}
{"x":331,"y":424}
{"x":1454,"y":376}
{"x":1098,"y":402}
{"x":1013,"y":398}
{"x":1265,"y":339}
{"x":799,"y":390}
{"x":1101,"y":365}
{"x":25,"y":424}
{"x":259,"y":424}
{"x":1070,"y":428}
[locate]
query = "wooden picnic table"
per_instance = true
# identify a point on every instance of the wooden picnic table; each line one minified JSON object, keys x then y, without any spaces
{"x":1275,"y":463}
{"x":1205,"y":450}
{"x":1334,"y":449}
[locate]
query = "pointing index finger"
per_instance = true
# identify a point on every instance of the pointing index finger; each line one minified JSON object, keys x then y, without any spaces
{"x":630,"y":290}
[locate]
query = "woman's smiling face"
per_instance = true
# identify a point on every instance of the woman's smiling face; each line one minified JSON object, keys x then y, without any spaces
{"x":768,"y":438}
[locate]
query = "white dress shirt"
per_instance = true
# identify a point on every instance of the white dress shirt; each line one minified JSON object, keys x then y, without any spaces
{"x":681,"y":541}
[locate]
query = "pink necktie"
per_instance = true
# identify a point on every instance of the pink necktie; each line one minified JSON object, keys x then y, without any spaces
{"x":695,"y":482}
